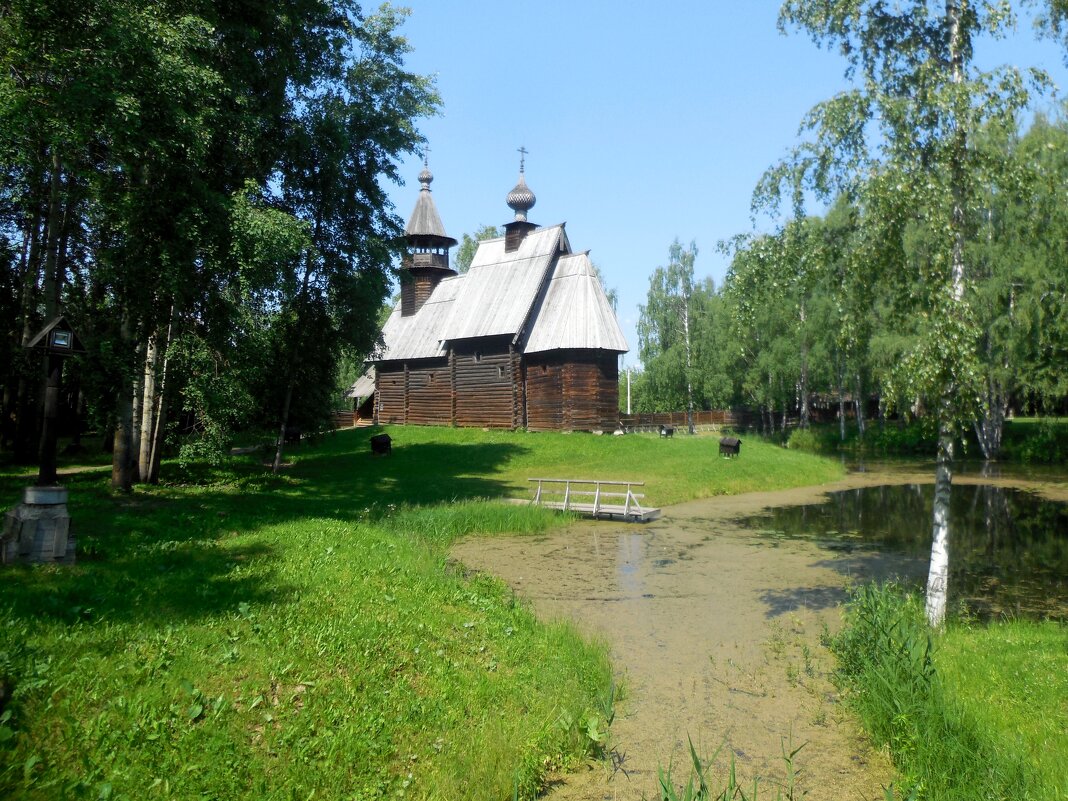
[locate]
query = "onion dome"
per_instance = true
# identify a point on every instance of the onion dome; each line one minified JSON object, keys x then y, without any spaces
{"x":426,"y":177}
{"x":521,"y":199}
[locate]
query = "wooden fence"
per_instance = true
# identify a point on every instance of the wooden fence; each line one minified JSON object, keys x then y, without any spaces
{"x":715,"y":418}
{"x":703,"y":419}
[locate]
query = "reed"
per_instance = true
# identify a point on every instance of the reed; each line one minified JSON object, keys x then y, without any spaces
{"x":888,"y":668}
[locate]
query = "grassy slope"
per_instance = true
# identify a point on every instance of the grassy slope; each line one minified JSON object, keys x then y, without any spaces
{"x":237,"y":635}
{"x":441,"y":464}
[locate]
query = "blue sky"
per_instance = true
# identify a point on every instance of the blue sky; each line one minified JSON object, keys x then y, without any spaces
{"x":644,"y":122}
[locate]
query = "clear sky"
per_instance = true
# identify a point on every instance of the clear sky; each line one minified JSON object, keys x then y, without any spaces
{"x":644,"y":122}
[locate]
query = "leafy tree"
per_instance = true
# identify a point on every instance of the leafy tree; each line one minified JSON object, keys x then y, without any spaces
{"x":347,"y":139}
{"x":132,"y":134}
{"x":899,"y":145}
{"x":714,"y":364}
{"x":1023,"y":277}
{"x":762,"y":325}
{"x":772,"y":281}
{"x":665,"y":330}
{"x":850,"y":312}
{"x":465,"y":253}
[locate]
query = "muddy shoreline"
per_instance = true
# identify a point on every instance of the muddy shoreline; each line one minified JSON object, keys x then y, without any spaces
{"x":715,"y":635}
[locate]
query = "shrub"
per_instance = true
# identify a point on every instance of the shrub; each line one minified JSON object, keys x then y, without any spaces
{"x":1045,"y":440}
{"x":903,"y":439}
{"x":804,"y":439}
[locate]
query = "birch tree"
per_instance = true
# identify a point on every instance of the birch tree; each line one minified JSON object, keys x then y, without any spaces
{"x":665,"y":328}
{"x":898,"y":144}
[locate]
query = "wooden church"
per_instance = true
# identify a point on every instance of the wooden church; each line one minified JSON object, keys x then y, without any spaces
{"x":526,"y":338}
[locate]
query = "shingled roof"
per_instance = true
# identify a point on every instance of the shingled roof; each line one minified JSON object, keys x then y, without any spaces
{"x":574,"y":311}
{"x":541,"y":294}
{"x":424,"y":228}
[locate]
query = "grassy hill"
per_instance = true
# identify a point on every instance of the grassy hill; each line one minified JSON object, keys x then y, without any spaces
{"x":233,"y":634}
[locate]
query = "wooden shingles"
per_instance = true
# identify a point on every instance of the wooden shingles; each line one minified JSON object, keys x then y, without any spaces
{"x":524,"y":339}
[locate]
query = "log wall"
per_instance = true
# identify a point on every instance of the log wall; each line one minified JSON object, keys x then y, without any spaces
{"x":545,"y":394}
{"x":429,"y":393}
{"x":389,"y":393}
{"x":484,"y":385}
{"x":572,"y":391}
{"x":487,"y":384}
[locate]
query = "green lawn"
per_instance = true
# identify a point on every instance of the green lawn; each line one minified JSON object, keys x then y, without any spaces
{"x":1012,"y":680}
{"x":237,"y":635}
{"x":430,"y":465}
{"x":974,"y":712}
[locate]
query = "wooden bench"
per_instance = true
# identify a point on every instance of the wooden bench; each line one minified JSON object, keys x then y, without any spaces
{"x":593,"y":498}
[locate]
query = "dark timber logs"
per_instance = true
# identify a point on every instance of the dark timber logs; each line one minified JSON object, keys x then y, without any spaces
{"x":491,"y":385}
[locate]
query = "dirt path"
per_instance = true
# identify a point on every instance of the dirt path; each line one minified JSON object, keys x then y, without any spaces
{"x":716,"y":635}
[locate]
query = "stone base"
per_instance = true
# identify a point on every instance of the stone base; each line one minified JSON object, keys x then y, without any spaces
{"x":38,"y":529}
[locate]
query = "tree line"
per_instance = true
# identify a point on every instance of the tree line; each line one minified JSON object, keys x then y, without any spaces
{"x":828,"y":309}
{"x":933,"y":270}
{"x":199,"y":187}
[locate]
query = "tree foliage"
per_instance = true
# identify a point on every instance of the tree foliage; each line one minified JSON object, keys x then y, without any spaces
{"x":465,"y":253}
{"x":201,"y":187}
{"x":754,"y":348}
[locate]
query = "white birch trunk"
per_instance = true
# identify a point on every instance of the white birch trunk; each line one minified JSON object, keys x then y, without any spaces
{"x":148,"y":411}
{"x":938,"y":575}
{"x":838,"y":371}
{"x":135,"y":428}
{"x":803,"y":382}
{"x":689,"y":363}
{"x":862,"y":422}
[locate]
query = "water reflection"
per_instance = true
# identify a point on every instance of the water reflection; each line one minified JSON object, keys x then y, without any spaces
{"x":1008,"y":548}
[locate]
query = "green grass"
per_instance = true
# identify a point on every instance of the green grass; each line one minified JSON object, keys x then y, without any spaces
{"x":441,"y":464}
{"x":1012,"y":678}
{"x":972,"y":713}
{"x":233,"y":634}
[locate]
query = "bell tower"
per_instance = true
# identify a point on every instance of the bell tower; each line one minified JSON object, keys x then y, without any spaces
{"x":427,"y":259}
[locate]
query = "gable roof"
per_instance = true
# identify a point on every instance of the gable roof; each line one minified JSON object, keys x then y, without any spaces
{"x":500,"y":288}
{"x":541,"y":290}
{"x":574,"y":311}
{"x":363,"y":387}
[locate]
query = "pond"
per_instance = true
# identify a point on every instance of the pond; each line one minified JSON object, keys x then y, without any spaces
{"x":1008,"y":547}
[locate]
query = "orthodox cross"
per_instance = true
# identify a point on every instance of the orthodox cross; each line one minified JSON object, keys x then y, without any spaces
{"x":426,"y":156}
{"x":522,"y":157}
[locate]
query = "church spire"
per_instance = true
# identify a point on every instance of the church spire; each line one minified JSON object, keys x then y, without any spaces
{"x":427,"y":261}
{"x":424,"y":229}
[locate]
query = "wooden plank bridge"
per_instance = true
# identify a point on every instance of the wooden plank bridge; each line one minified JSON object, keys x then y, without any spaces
{"x":594,"y":498}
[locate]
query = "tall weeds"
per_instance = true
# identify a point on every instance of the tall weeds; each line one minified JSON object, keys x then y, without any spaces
{"x":885,"y":665}
{"x":699,"y":782}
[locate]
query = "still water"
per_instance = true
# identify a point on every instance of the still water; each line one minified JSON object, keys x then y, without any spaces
{"x":1008,"y":548}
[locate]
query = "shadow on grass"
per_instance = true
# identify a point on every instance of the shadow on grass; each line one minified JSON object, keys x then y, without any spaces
{"x":189,"y":549}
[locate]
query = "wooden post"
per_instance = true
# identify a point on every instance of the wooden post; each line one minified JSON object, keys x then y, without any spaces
{"x":46,"y":474}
